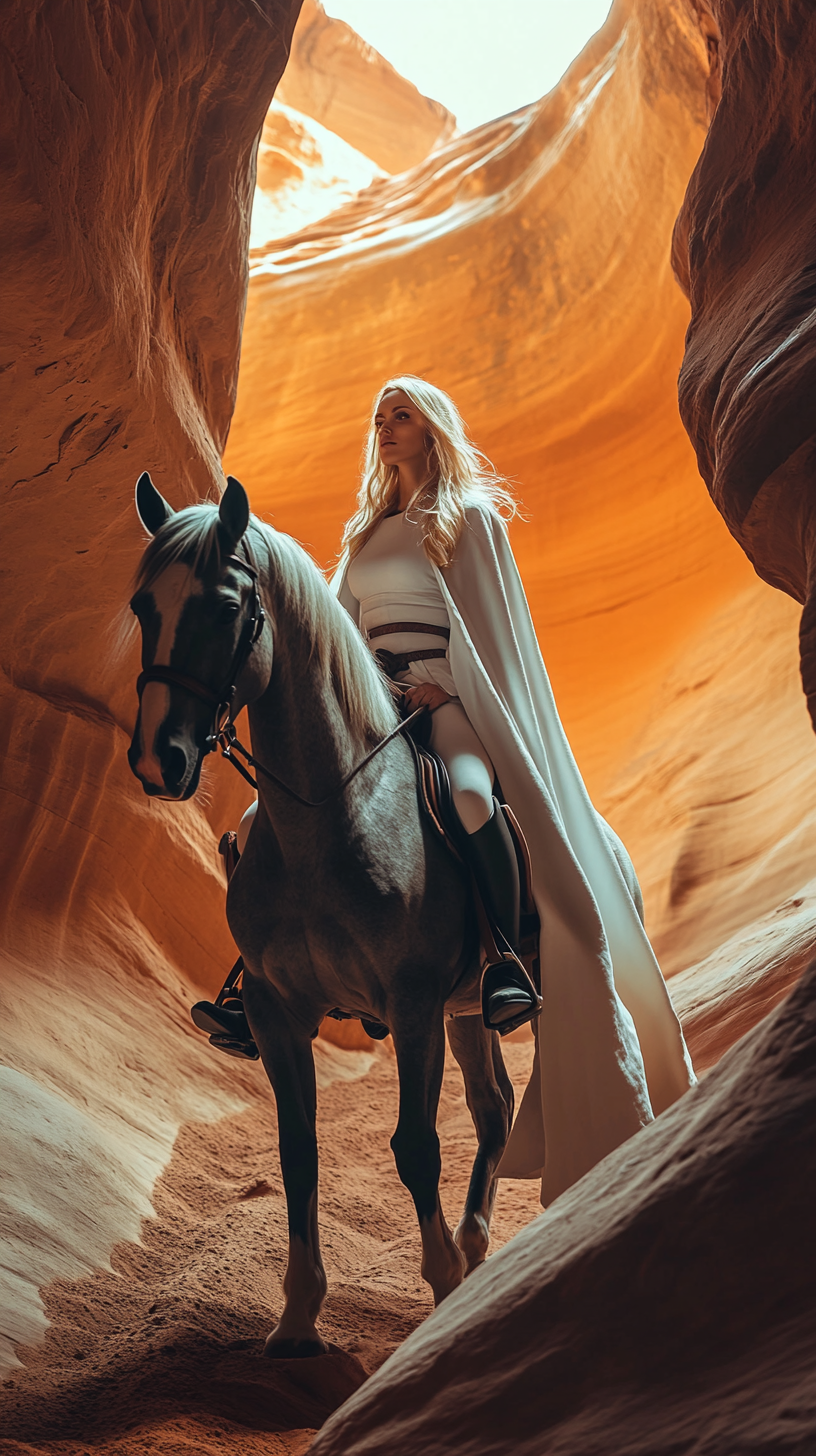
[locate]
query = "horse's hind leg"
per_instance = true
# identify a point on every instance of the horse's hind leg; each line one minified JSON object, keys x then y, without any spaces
{"x":286,"y":1050}
{"x":420,"y":1049}
{"x":489,"y":1094}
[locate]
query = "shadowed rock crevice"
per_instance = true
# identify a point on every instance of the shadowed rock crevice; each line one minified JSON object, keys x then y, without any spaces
{"x":744,"y":246}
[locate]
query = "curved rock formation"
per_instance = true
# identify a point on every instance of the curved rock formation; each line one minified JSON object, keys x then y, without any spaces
{"x":304,"y":172}
{"x":655,"y":1308}
{"x":525,"y":267}
{"x":744,"y":248}
{"x":334,"y":77}
{"x":129,"y":159}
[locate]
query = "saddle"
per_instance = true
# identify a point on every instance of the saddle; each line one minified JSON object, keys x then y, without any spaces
{"x":224,"y":1020}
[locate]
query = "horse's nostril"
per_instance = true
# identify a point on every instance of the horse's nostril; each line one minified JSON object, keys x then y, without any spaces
{"x":174,"y":767}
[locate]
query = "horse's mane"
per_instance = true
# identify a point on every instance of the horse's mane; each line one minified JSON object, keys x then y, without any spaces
{"x":348,"y":668}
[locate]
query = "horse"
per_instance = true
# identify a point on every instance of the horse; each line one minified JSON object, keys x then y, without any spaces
{"x":344,"y":897}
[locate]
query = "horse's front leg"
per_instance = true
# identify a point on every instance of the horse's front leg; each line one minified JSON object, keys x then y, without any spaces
{"x":419,"y":1042}
{"x":286,"y":1051}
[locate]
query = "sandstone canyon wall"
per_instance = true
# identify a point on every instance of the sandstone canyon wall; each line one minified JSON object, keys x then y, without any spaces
{"x":745,"y":248}
{"x":129,"y":168}
{"x":340,"y":81}
{"x":341,"y":116}
{"x":525,"y":267}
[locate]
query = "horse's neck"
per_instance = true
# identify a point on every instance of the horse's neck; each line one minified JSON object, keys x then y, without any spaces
{"x":298,"y":729}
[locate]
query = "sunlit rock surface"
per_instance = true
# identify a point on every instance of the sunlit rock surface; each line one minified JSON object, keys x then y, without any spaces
{"x":342,"y":117}
{"x":526,"y":268}
{"x":340,"y":81}
{"x":127,"y":187}
{"x":664,"y":1304}
{"x":304,"y":172}
{"x":745,"y":251}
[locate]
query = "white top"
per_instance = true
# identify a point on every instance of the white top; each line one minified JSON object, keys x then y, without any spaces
{"x":394,"y":581}
{"x":610,"y":1051}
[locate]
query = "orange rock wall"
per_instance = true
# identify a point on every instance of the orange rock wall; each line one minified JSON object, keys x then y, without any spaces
{"x":128,"y":179}
{"x":340,"y":81}
{"x":744,"y":249}
{"x":526,"y":268}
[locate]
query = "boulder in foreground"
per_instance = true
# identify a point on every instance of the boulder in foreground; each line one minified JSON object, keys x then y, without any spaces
{"x":663,"y":1305}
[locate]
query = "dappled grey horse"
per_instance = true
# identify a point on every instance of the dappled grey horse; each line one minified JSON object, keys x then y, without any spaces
{"x":353,"y":903}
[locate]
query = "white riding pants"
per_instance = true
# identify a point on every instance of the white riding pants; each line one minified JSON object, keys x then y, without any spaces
{"x":470,"y":771}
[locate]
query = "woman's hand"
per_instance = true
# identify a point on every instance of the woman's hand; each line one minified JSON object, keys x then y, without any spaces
{"x":426,"y":695}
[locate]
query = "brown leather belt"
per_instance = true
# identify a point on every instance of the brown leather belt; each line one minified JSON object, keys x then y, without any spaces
{"x":395,"y":662}
{"x":425,"y":628}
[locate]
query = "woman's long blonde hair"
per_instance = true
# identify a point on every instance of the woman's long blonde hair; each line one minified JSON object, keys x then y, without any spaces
{"x":458,"y":475}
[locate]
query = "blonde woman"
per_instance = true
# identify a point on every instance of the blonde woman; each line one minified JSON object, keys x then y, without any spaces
{"x":428,"y":575}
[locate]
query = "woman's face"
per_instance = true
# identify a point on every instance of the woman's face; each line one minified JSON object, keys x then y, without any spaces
{"x":402,"y":434}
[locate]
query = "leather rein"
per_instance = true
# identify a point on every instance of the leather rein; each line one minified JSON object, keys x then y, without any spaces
{"x":223,"y":734}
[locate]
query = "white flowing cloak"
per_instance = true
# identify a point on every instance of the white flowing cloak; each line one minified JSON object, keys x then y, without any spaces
{"x":610,"y":1052}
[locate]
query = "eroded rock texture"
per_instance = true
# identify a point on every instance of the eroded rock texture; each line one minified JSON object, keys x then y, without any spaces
{"x":342,"y":82}
{"x":129,"y":168}
{"x":525,"y":267}
{"x":746,"y":250}
{"x":658,"y":1308}
{"x":304,"y":173}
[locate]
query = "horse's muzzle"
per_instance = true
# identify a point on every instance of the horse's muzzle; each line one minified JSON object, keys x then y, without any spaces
{"x":172,"y":771}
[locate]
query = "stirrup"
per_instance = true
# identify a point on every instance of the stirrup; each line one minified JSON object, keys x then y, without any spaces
{"x":515,"y":976}
{"x":245,"y":1049}
{"x":224,"y":1019}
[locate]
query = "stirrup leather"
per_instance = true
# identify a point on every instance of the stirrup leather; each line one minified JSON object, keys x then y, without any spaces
{"x":501,"y":954}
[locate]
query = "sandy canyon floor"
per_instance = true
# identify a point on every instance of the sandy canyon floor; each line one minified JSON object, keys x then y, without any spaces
{"x":164,"y":1354}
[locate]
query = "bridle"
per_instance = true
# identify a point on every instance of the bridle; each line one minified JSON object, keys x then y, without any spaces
{"x":220,"y":702}
{"x":223,"y":733}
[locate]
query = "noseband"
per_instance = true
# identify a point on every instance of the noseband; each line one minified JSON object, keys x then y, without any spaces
{"x":220,"y":702}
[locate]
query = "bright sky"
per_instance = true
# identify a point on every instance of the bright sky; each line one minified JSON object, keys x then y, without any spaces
{"x":480,"y":58}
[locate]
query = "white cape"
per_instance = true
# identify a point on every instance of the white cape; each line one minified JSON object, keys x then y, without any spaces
{"x":610,"y":1053}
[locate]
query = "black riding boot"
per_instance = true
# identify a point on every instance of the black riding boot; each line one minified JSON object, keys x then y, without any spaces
{"x":509,"y":998}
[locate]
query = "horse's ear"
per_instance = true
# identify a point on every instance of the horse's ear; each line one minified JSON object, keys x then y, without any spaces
{"x":233,"y":514}
{"x":153,"y":509}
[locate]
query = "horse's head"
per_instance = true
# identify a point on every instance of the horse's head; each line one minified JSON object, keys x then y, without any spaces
{"x":198,"y":604}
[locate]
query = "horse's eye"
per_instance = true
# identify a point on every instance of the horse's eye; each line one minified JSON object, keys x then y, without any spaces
{"x":228,"y":613}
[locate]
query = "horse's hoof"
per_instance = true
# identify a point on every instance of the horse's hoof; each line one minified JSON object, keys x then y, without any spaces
{"x":294,"y":1349}
{"x":472,"y":1239}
